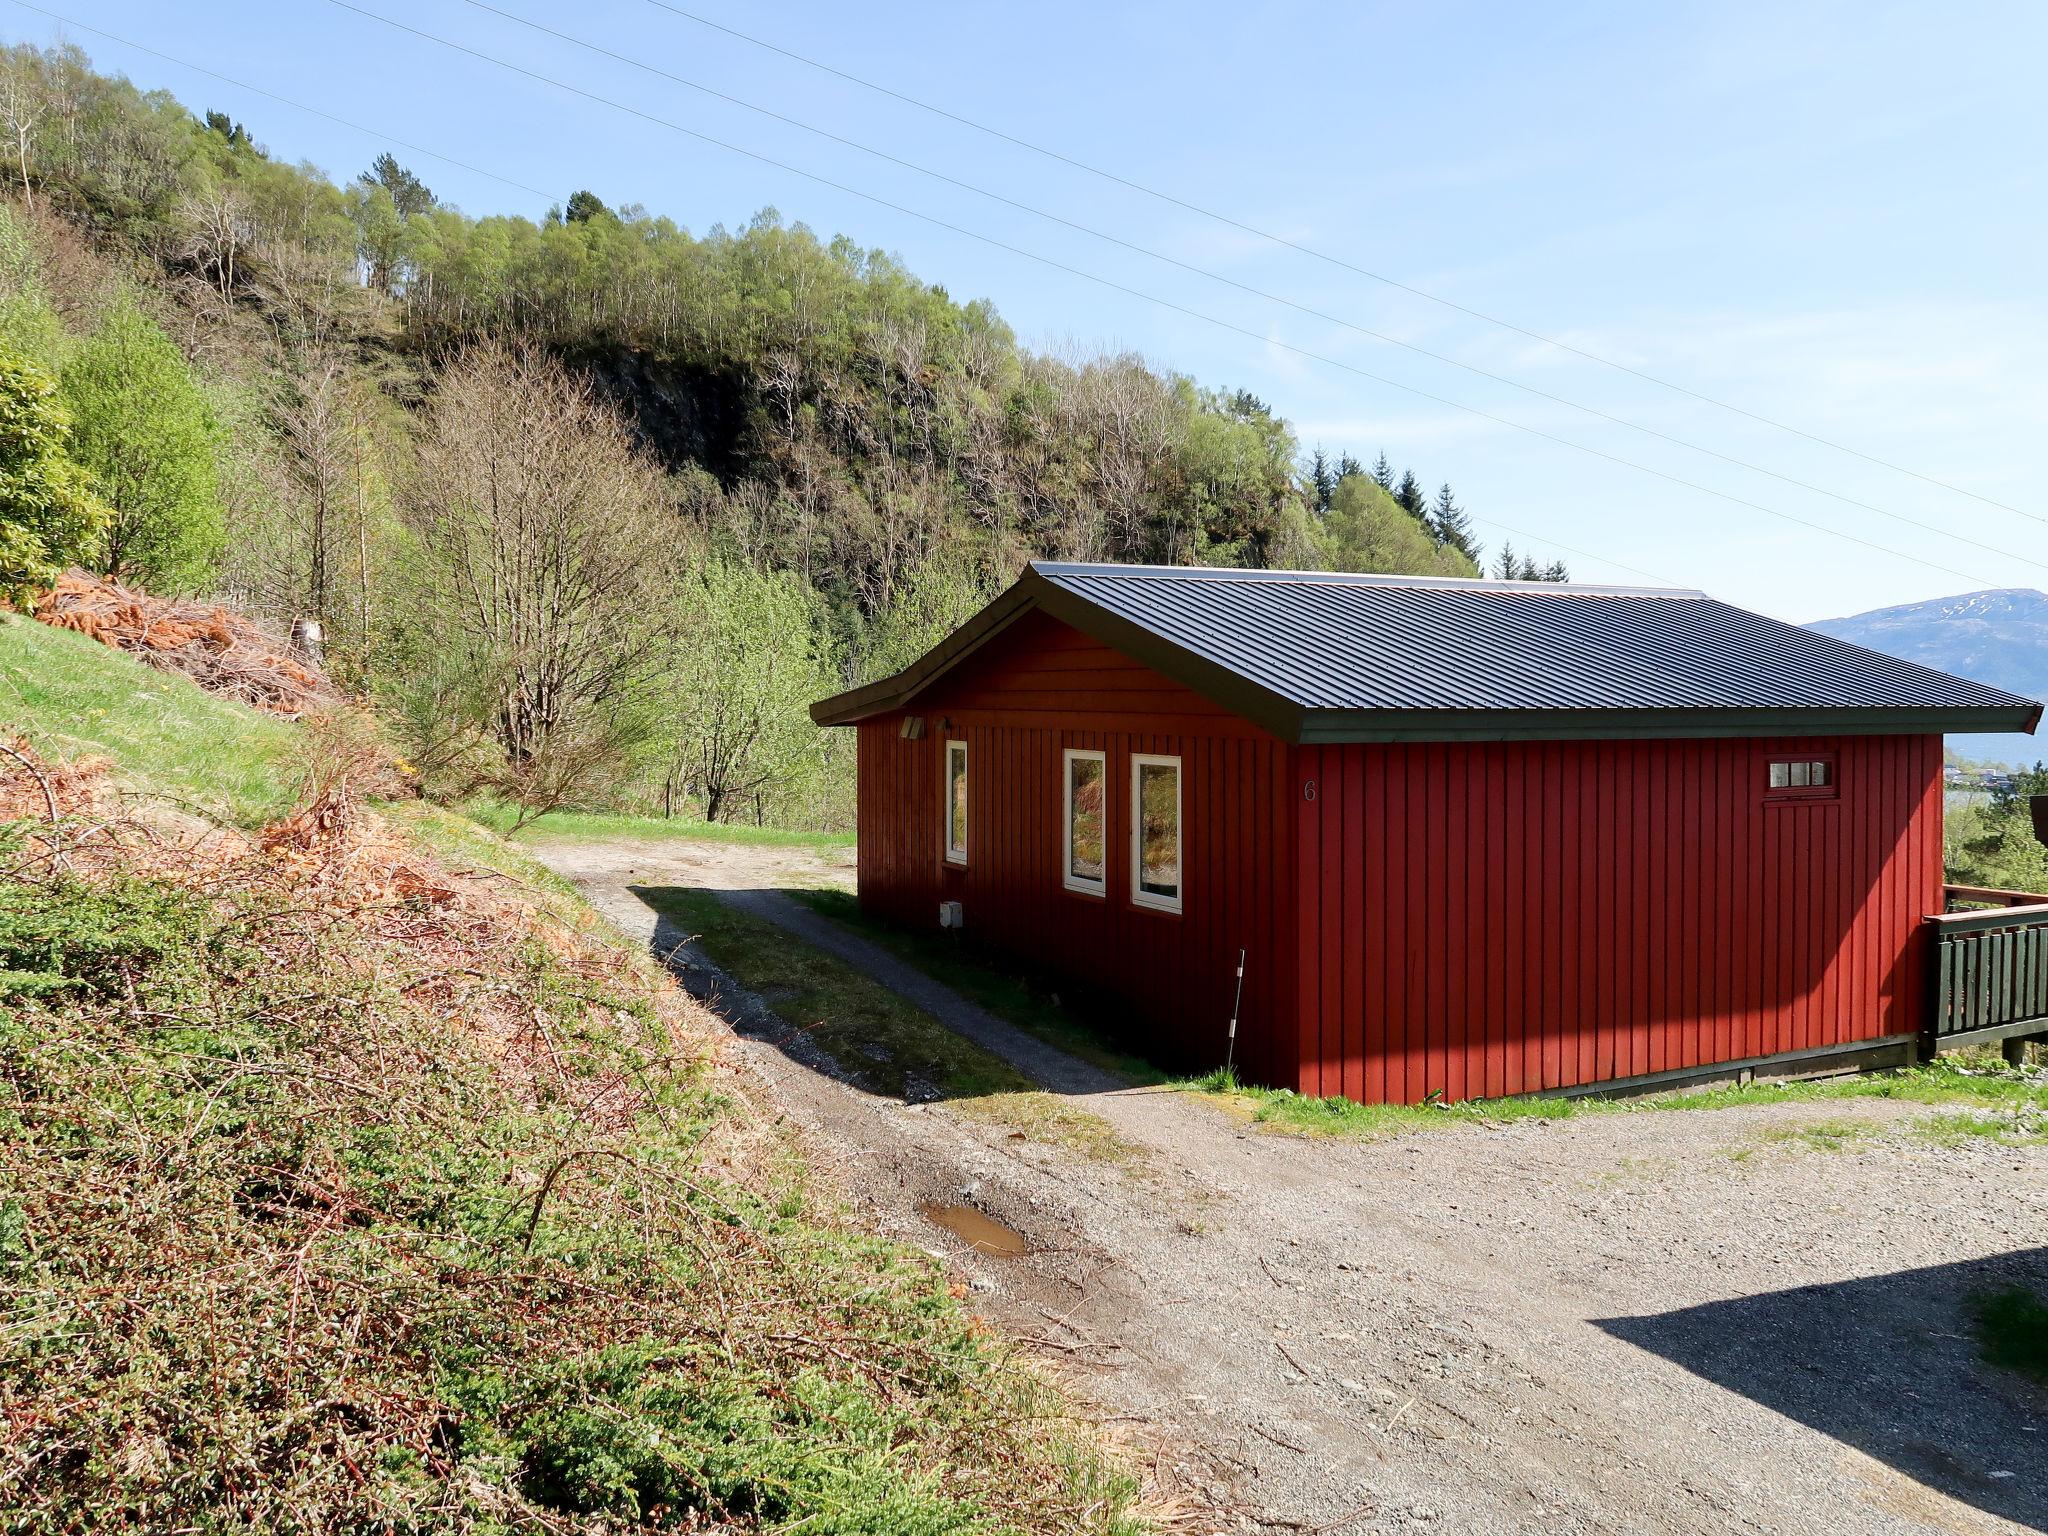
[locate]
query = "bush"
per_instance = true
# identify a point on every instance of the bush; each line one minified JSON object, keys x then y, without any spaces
{"x":49,"y":519}
{"x":146,"y":437}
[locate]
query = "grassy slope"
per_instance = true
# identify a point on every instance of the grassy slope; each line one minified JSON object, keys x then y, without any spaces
{"x":74,"y":697}
{"x":384,"y":1281}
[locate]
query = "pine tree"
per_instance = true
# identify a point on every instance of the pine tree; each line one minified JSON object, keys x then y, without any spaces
{"x":1409,"y":493}
{"x":583,"y":207}
{"x":1383,"y":473}
{"x":1322,"y":479}
{"x":1449,"y":525}
{"x":1348,"y":465}
{"x":409,"y":195}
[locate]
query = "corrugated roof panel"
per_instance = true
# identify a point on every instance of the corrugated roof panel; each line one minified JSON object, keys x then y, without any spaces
{"x":1315,"y":655}
{"x":1329,"y":642}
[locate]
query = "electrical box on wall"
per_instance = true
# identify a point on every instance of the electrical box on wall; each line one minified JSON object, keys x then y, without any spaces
{"x":950,"y":915}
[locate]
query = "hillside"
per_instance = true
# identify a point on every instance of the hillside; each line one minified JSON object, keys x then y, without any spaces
{"x":786,"y":462}
{"x":1998,"y":637}
{"x":345,"y":1186}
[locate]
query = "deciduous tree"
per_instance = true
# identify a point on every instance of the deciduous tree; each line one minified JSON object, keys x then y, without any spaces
{"x":546,"y":531}
{"x":146,"y":435}
{"x":49,"y":518}
{"x":750,"y":647}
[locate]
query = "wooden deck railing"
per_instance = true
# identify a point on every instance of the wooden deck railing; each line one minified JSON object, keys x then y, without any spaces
{"x":1990,"y":968}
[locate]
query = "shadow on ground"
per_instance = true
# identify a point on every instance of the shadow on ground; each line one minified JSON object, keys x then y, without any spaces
{"x":837,"y":1003}
{"x":1889,"y":1365}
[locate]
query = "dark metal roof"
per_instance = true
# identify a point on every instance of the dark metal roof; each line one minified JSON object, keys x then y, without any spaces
{"x":1319,"y":656}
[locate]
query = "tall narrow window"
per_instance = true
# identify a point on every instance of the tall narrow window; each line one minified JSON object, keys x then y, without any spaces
{"x":1155,"y":832}
{"x":956,"y":802}
{"x":1086,"y":821}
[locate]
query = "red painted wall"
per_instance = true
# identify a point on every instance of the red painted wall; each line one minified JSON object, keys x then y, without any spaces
{"x":1495,"y":918}
{"x":1474,"y":919}
{"x":1164,"y":979}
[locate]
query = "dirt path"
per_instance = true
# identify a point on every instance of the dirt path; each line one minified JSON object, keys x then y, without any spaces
{"x":1667,"y":1323}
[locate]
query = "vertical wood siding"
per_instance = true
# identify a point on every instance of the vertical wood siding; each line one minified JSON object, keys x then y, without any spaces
{"x":1164,"y":981}
{"x":1496,"y":918}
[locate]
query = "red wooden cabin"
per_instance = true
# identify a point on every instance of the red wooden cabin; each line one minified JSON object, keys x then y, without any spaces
{"x":1472,"y":838}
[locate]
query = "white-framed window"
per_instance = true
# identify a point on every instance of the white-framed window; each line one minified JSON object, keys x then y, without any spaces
{"x":1802,"y":778}
{"x":1155,"y":832}
{"x":1084,"y":851}
{"x":956,"y":802}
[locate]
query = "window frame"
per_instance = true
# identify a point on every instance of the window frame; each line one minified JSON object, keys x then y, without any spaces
{"x":1140,"y":897}
{"x":959,"y":860}
{"x":1802,"y":794}
{"x":1068,"y":879}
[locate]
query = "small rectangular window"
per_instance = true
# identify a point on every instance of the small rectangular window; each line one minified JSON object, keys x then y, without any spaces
{"x":956,"y":802}
{"x":1086,"y":821}
{"x":1801,"y":778}
{"x":1155,"y":832}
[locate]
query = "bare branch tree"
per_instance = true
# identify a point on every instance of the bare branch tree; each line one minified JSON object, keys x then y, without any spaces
{"x":550,"y":533}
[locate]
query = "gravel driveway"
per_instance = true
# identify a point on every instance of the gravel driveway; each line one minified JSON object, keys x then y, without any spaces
{"x":1666,"y":1322}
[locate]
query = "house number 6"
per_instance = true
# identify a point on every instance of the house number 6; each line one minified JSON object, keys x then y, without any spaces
{"x":1308,"y":789}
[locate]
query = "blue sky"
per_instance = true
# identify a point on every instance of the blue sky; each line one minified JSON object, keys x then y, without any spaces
{"x":1831,"y":215}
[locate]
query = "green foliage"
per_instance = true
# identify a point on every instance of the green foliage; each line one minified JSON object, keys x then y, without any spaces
{"x":816,"y":408}
{"x":146,"y":436}
{"x":49,"y":518}
{"x":1366,"y":529}
{"x":1991,"y":842}
{"x":937,"y":598}
{"x":1510,"y":566}
{"x":80,"y":944}
{"x":752,"y":657}
{"x":2017,"y":1098}
{"x":29,"y":327}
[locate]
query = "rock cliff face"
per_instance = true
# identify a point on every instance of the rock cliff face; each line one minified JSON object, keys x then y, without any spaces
{"x":1998,"y":637}
{"x":684,"y":414}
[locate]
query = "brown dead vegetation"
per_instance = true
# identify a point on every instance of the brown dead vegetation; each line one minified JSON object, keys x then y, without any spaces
{"x":221,"y":651}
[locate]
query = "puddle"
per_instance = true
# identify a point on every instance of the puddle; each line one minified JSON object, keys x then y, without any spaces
{"x":982,"y":1233}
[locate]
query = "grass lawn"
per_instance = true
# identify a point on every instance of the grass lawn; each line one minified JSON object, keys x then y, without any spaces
{"x":500,"y":817}
{"x":2006,"y":1105}
{"x":897,"y":1047}
{"x":73,"y":697}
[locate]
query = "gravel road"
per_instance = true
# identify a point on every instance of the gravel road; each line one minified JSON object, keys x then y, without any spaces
{"x":1661,"y":1322}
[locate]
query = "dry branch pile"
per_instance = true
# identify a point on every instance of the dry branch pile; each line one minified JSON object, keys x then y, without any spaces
{"x":221,"y":651}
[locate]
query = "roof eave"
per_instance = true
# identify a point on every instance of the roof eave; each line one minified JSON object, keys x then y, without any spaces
{"x":1335,"y":726}
{"x":1261,"y":706}
{"x":891,"y":693}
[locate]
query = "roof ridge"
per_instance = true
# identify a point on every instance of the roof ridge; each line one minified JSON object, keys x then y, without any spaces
{"x":1105,"y":568}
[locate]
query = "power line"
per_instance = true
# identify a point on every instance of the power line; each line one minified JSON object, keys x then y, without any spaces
{"x":1335,"y":261}
{"x":1149,"y":298}
{"x":243,"y":85}
{"x":1256,"y":292}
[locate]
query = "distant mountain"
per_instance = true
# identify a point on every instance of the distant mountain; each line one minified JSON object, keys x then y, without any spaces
{"x":1998,"y":637}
